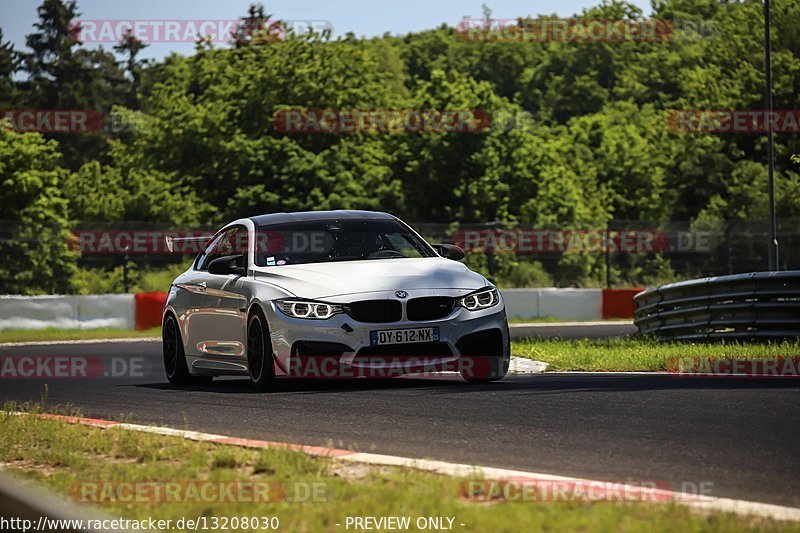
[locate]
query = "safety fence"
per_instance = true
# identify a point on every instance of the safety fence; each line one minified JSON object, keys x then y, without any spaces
{"x":758,"y":305}
{"x":617,"y":253}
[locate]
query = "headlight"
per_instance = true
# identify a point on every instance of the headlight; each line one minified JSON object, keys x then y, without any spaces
{"x":308,"y":309}
{"x":479,"y":300}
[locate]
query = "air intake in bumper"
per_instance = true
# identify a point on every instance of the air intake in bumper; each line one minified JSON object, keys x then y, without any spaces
{"x":482,"y":343}
{"x":429,"y":308}
{"x":375,"y":311}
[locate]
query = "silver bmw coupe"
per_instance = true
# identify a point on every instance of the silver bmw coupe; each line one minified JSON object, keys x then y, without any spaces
{"x":331,"y":294}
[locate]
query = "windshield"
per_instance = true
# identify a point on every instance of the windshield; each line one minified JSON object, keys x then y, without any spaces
{"x":323,"y":241}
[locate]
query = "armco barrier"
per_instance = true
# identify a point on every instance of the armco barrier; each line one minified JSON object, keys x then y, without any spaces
{"x":20,"y":499}
{"x":143,"y":311}
{"x":759,"y":305}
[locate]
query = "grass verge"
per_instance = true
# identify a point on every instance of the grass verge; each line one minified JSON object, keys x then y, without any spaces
{"x":554,"y":320}
{"x":55,"y":334}
{"x":61,"y":456}
{"x":629,"y":355}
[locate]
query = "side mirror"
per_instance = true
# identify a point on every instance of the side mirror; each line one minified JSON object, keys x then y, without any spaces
{"x":449,"y":251}
{"x":227,"y":264}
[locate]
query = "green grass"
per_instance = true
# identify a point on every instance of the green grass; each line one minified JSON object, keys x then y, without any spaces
{"x":60,"y":456}
{"x":626,"y":355}
{"x":54,"y":334}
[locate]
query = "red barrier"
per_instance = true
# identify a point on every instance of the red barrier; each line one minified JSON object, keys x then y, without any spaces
{"x":148,"y":309}
{"x":618,"y":303}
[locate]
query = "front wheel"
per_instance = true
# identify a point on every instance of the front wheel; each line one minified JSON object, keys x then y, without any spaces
{"x":174,"y":356}
{"x":259,"y":352}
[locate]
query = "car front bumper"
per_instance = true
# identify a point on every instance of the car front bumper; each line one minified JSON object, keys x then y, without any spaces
{"x":340,"y":346}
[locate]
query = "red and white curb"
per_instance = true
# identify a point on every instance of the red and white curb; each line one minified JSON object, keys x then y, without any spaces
{"x":646,"y":494}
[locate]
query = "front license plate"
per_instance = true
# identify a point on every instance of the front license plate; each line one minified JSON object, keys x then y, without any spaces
{"x":403,"y":336}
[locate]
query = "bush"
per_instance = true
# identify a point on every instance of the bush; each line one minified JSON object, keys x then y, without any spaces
{"x":509,"y":271}
{"x":98,"y":280}
{"x":140,"y":279}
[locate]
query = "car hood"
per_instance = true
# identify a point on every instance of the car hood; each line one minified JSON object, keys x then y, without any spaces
{"x":323,"y":280}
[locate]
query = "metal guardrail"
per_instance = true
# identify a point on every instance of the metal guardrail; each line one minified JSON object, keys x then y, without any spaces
{"x":754,"y":306}
{"x":26,"y":507}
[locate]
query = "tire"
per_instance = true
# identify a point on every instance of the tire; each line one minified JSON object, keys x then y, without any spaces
{"x":259,"y":351}
{"x":174,"y":356}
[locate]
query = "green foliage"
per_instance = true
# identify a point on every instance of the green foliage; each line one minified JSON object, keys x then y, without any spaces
{"x":158,"y":279}
{"x":36,"y":258}
{"x":645,"y":271}
{"x":109,"y":194}
{"x":99,"y":280}
{"x":61,"y":74}
{"x":742,"y":196}
{"x":509,"y":270}
{"x":9,"y":63}
{"x":131,"y":47}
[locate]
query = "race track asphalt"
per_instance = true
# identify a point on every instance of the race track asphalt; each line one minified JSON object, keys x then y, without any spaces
{"x":740,"y":438}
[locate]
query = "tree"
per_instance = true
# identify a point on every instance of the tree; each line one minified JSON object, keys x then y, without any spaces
{"x":9,"y":64}
{"x":130,"y":47}
{"x":36,"y":256}
{"x":257,"y":28}
{"x":64,"y":76}
{"x":53,"y":66}
{"x":102,"y":194}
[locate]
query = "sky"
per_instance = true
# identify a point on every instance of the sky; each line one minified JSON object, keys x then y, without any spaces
{"x":361,"y":17}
